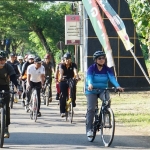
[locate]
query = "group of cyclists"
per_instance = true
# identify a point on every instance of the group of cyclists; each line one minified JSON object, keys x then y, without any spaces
{"x":32,"y":71}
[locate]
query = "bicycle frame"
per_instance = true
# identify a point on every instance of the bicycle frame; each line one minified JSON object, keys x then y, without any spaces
{"x":46,"y":91}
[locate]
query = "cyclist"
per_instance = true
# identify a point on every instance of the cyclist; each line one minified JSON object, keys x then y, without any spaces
{"x":7,"y":72}
{"x":35,"y":78}
{"x":57,"y":74}
{"x":98,"y":75}
{"x":49,"y":69}
{"x":23,"y":76}
{"x":69,"y":70}
{"x":14,"y":63}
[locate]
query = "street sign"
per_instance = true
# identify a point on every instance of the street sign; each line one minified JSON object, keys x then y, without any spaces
{"x":60,"y":45}
{"x":72,"y":30}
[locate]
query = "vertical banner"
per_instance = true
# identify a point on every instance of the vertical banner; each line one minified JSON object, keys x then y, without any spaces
{"x":72,"y":30}
{"x":116,"y":22}
{"x":99,"y":28}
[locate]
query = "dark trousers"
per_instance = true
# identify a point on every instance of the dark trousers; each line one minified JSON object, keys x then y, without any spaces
{"x":63,"y":95}
{"x":29,"y":92}
{"x":6,"y":101}
{"x":24,"y":89}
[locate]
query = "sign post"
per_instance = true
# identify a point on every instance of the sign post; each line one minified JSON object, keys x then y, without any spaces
{"x":60,"y":45}
{"x":72,"y":30}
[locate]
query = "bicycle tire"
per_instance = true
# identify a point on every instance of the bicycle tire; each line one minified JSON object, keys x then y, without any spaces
{"x":35,"y":108}
{"x":47,"y":95}
{"x":2,"y":127}
{"x":11,"y":101}
{"x":107,"y":125}
{"x":70,"y":113}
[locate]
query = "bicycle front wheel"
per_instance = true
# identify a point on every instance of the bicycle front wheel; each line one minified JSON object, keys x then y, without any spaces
{"x":70,"y":113}
{"x":11,"y":101}
{"x":2,"y":127}
{"x":107,"y":127}
{"x":35,"y":107}
{"x":47,"y":95}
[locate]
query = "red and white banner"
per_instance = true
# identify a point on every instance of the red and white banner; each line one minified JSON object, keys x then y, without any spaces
{"x":72,"y":30}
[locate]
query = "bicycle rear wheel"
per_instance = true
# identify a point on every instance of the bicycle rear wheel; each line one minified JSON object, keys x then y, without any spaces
{"x":107,"y":127}
{"x":2,"y":127}
{"x":70,"y":112}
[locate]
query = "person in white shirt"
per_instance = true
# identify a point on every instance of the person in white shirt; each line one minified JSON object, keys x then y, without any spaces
{"x":35,"y":78}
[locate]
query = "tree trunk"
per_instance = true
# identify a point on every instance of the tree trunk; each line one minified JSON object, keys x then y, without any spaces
{"x":44,"y":43}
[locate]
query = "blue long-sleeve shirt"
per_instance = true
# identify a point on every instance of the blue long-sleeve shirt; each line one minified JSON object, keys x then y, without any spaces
{"x":99,"y":79}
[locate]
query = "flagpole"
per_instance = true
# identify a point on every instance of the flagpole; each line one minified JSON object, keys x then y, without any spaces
{"x":140,"y":65}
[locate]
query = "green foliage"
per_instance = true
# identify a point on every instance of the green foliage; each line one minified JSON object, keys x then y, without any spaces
{"x":140,"y":10}
{"x":39,"y":26}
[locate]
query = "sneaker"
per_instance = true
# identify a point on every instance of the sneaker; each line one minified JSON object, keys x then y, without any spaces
{"x":57,"y":96}
{"x":39,"y":114}
{"x":74,"y":104}
{"x":27,"y":108}
{"x":23,"y":103}
{"x":6,"y":133}
{"x":63,"y":114}
{"x":90,"y":133}
{"x":50,"y":99}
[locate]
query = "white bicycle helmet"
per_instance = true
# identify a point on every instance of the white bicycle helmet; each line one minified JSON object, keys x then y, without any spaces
{"x":31,"y":56}
{"x":19,"y":57}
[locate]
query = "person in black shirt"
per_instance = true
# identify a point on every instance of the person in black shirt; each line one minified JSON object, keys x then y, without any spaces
{"x":67,"y":70}
{"x":7,"y":73}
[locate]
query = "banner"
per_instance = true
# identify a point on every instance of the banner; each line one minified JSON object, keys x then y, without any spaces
{"x":116,"y":22}
{"x":99,"y":28}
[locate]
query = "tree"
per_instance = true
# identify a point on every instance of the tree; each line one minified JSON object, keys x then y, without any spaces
{"x":35,"y":22}
{"x":140,"y":10}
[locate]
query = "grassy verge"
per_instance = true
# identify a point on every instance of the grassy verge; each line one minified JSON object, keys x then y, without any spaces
{"x":131,"y":109}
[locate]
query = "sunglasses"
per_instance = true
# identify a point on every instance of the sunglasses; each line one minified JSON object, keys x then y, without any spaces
{"x":99,"y":58}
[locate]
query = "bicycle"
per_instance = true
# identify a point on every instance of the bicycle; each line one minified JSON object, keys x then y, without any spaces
{"x":33,"y":106}
{"x":69,"y":101}
{"x":45,"y":91}
{"x":104,"y":121}
{"x":3,"y":115}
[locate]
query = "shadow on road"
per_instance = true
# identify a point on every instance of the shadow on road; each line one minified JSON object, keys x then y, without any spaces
{"x":42,"y":139}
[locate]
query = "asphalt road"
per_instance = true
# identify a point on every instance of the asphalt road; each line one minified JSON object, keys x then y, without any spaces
{"x":53,"y":132}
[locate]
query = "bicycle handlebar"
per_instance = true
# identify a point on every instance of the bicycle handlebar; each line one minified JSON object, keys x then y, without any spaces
{"x":108,"y":88}
{"x":7,"y":92}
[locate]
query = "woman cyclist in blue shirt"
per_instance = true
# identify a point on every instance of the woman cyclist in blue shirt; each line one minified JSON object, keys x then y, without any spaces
{"x":98,"y":76}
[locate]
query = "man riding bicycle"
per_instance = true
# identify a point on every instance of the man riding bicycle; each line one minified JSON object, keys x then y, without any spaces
{"x":68,"y":69}
{"x":49,"y":69}
{"x":98,"y":75}
{"x":35,"y":79}
{"x":7,"y":73}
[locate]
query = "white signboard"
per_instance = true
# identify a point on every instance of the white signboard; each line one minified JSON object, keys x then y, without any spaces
{"x":72,"y":29}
